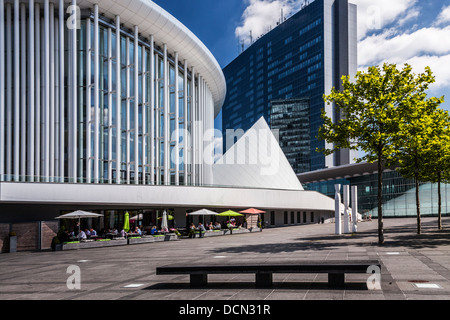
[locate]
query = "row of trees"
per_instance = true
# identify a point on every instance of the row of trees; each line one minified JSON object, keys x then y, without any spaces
{"x":386,"y":113}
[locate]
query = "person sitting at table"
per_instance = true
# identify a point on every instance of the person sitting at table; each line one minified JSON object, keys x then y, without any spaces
{"x":82,"y":235}
{"x":154,"y":230}
{"x":217,"y":226}
{"x":210,"y":226}
{"x":123,"y":233}
{"x":138,"y":231}
{"x":93,"y":232}
{"x":87,"y":232}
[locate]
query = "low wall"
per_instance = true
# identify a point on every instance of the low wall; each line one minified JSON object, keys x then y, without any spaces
{"x":119,"y":242}
{"x":224,"y":232}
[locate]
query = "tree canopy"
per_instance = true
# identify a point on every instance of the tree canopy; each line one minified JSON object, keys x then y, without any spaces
{"x":369,"y":110}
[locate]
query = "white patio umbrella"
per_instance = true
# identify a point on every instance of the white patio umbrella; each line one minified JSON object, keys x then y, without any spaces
{"x":203,"y":212}
{"x":164,"y":224}
{"x":79,"y":214}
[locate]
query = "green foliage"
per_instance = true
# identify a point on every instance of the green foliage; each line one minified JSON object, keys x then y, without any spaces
{"x":380,"y":112}
{"x":368,"y":109}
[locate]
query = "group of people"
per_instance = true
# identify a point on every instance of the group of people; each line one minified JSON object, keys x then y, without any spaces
{"x":201,"y":229}
{"x":193,"y":229}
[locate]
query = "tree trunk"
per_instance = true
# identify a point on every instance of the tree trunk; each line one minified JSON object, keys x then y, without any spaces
{"x":439,"y":202}
{"x":417,"y":204}
{"x":380,"y":201}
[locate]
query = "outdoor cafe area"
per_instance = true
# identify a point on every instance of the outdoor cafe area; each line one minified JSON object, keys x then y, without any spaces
{"x":89,"y":229}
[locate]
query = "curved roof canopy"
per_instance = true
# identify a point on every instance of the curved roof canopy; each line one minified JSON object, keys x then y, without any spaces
{"x":153,"y":20}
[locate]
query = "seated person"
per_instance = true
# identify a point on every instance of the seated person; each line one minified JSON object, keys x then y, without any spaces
{"x":82,"y":235}
{"x":138,"y":231}
{"x":154,"y":230}
{"x":217,"y":226}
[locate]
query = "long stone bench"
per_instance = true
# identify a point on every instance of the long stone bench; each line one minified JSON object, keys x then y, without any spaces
{"x":336,"y":270}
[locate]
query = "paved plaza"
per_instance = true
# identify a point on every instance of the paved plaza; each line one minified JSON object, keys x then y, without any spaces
{"x":413,"y":266}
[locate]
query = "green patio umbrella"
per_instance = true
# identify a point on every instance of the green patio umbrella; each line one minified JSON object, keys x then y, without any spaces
{"x":230,"y":213}
{"x":126,"y":222}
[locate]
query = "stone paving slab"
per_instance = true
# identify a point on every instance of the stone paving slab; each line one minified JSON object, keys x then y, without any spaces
{"x":105,"y":272}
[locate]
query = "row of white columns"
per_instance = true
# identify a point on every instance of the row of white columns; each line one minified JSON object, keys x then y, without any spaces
{"x":32,"y":91}
{"x":350,"y":225}
{"x":33,"y":104}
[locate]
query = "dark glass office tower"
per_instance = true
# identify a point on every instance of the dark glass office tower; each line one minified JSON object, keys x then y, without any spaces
{"x":294,"y":135}
{"x":302,"y":58}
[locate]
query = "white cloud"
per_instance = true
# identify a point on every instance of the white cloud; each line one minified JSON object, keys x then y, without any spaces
{"x":398,"y":48}
{"x":444,"y":16}
{"x":421,"y":48}
{"x":436,"y":64}
{"x":261,"y":15}
{"x":374,"y":15}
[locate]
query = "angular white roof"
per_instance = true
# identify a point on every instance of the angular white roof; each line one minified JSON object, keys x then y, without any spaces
{"x":256,"y":161}
{"x":151,"y":19}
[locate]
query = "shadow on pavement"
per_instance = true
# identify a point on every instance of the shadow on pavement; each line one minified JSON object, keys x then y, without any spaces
{"x":251,"y":286}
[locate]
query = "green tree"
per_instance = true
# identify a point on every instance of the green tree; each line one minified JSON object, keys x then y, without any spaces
{"x":437,"y":153}
{"x":417,"y":128}
{"x":368,"y":116}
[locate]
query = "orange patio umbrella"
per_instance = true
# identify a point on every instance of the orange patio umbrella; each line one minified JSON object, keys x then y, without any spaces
{"x":252,"y":211}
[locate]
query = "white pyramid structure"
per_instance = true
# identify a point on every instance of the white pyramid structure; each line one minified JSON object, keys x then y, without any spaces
{"x":256,"y":161}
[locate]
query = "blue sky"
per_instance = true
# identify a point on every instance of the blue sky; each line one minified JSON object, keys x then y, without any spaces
{"x":395,"y":31}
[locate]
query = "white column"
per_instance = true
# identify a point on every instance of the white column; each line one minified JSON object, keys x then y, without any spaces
{"x":88,"y":104}
{"x":9,"y":93}
{"x":62,"y":27}
{"x":23,"y":92}
{"x":185,"y":135}
{"x":166,"y":120}
{"x":2,"y":92}
{"x":355,"y":208}
{"x":57,"y":101}
{"x":110,"y":108}
{"x":200,"y":118}
{"x":37,"y":77}
{"x":51,"y":115}
{"x":337,"y":209}
{"x":16,"y":106}
{"x":346,"y":196}
{"x":118,"y":103}
{"x":47,"y":91}
{"x":177,"y":125}
{"x":96,"y":95}
{"x":193,"y":130}
{"x":31,"y":94}
{"x":136,"y":104}
{"x":152,"y":110}
{"x":157,"y":123}
{"x":128,"y":111}
{"x":73,"y":154}
{"x":144,"y":116}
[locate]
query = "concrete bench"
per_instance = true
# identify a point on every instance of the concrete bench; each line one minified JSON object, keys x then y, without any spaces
{"x":336,"y":270}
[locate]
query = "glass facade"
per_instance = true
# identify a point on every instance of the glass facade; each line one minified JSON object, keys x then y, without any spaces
{"x":294,"y":60}
{"x":399,"y":196}
{"x":294,"y":135}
